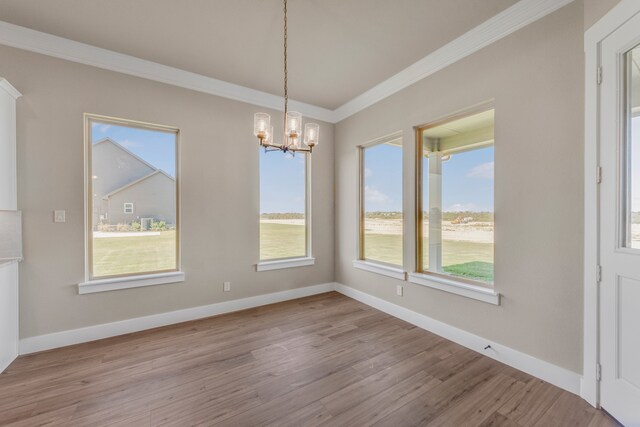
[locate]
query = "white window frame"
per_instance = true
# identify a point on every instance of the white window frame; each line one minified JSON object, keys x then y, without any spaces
{"x":433,"y":279}
{"x":128,"y":208}
{"x":361,"y":262}
{"x":93,"y":284}
{"x":307,"y":259}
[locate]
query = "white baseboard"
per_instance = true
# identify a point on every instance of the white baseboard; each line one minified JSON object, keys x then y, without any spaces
{"x":4,"y":364}
{"x":92,"y":333}
{"x":553,"y":374}
{"x":546,"y":371}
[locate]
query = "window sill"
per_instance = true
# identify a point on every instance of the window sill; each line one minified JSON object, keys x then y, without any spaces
{"x":385,"y":270}
{"x":285,"y":263}
{"x":459,"y":288}
{"x":113,"y":284}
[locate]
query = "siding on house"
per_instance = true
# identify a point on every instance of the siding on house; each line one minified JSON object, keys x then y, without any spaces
{"x":119,"y":177}
{"x":152,"y":197}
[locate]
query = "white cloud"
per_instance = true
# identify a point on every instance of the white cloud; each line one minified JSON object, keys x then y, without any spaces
{"x":127,"y":143}
{"x":104,"y":128}
{"x":367,"y":172}
{"x":483,"y":171}
{"x":462,"y":207}
{"x":373,"y":195}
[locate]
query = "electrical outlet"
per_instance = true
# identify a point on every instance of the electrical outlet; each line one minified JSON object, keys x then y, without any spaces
{"x":399,"y":290}
{"x":226,"y":287}
{"x":59,"y":216}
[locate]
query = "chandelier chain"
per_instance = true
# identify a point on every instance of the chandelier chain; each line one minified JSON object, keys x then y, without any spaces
{"x":286,"y":91}
{"x":295,"y":140}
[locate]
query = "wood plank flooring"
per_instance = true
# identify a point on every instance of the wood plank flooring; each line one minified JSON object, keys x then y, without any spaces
{"x":322,"y":360}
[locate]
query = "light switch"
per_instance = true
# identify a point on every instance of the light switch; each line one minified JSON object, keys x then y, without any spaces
{"x":59,"y":216}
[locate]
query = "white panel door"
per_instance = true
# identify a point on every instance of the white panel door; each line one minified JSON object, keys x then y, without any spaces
{"x":620,"y":224}
{"x":8,"y":199}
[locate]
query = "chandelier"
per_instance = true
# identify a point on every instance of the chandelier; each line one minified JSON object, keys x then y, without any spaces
{"x":293,"y":139}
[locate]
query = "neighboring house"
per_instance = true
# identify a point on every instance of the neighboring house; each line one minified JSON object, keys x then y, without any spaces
{"x":126,"y":188}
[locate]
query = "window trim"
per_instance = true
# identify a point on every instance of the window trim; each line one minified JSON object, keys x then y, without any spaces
{"x":128,"y":282}
{"x":383,"y":269}
{"x":126,"y":210}
{"x":279,"y":264}
{"x":429,"y":278}
{"x":375,"y":266}
{"x":148,"y":277}
{"x":295,"y":261}
{"x":470,"y":290}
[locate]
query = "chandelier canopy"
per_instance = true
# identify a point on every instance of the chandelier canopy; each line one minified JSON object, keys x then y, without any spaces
{"x":293,"y":139}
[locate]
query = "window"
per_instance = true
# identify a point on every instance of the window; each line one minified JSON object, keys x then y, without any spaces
{"x":284,"y":206}
{"x":131,"y":164}
{"x":381,"y":201}
{"x":455,"y":198}
{"x":631,"y":153}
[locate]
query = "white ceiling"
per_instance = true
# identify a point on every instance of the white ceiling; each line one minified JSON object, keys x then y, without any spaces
{"x":338,"y":49}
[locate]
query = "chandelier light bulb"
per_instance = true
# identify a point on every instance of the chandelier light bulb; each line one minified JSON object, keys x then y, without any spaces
{"x":311,"y":132}
{"x":261,"y":124}
{"x":294,"y":123}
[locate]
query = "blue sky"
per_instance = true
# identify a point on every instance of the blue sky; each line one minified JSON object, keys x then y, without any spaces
{"x":383,"y":178}
{"x":467,"y":180}
{"x":282,"y":182}
{"x":157,"y":148}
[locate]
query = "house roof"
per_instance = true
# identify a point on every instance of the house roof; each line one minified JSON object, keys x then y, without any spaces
{"x":118,"y":145}
{"x":137,"y":181}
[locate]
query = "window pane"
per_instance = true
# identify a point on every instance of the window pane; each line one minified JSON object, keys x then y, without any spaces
{"x":282,"y":205}
{"x":467,"y":218}
{"x":133,"y":203}
{"x":382,"y":169}
{"x":425,"y":209}
{"x":457,"y":197}
{"x":632,"y":211}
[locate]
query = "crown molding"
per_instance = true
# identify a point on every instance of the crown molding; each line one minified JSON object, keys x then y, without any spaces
{"x":59,"y":47}
{"x":521,"y":14}
{"x":4,"y":84}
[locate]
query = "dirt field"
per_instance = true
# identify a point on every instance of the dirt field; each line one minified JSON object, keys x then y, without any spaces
{"x":477,"y":232}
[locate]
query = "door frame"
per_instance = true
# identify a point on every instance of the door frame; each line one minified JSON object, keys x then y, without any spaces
{"x":593,"y":37}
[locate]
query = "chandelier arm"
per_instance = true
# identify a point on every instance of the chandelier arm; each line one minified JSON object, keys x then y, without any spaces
{"x":302,"y":150}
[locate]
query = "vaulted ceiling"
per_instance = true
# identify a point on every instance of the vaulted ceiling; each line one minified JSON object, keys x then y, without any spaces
{"x":338,"y":49}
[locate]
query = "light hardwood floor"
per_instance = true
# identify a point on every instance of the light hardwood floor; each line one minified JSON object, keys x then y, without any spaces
{"x":321,"y":360}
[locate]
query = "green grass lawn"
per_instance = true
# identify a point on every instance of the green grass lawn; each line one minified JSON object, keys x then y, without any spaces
{"x":465,"y":259}
{"x":281,"y":241}
{"x":475,"y":270}
{"x":132,"y":255}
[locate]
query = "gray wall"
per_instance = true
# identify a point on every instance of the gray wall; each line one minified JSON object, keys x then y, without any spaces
{"x":219,"y":197}
{"x":596,"y":9}
{"x":535,"y":77}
